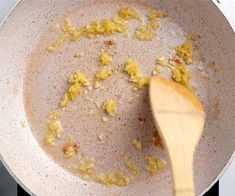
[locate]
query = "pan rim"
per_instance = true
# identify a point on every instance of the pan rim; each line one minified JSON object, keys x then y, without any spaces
{"x":224,"y":169}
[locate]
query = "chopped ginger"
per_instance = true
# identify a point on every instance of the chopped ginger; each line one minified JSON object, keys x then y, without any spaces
{"x":132,"y":167}
{"x":153,"y":164}
{"x":185,"y":51}
{"x":103,"y":74}
{"x":105,"y":59}
{"x":53,"y":128}
{"x":181,"y":75}
{"x":118,"y":179}
{"x":137,"y":144}
{"x":128,"y":13}
{"x":70,"y":149}
{"x":110,"y":107}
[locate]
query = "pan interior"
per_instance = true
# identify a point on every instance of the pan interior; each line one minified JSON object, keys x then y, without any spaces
{"x":46,"y":81}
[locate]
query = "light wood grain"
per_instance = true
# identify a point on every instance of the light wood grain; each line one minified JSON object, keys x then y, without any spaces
{"x":179,"y":118}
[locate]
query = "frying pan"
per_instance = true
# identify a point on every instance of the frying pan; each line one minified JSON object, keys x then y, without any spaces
{"x":37,"y":171}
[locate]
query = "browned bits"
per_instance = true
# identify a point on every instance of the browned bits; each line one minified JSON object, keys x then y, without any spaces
{"x":109,"y":42}
{"x":70,"y":149}
{"x":156,"y":139}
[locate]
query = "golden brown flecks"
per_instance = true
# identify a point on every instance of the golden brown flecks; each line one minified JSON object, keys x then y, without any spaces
{"x":213,"y":66}
{"x":157,"y":141}
{"x":217,"y":108}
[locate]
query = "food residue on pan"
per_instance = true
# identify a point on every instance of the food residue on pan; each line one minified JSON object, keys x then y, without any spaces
{"x":107,"y":85}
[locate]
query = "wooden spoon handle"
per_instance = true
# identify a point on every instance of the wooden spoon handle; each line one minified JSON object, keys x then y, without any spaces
{"x":182,"y":171}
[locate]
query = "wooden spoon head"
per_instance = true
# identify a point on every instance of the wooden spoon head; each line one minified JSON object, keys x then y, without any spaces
{"x":178,"y":114}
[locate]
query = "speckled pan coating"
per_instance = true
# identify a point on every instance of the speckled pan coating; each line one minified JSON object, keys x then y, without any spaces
{"x":41,"y":175}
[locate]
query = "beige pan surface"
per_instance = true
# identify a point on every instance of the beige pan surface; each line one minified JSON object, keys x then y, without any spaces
{"x":33,"y":82}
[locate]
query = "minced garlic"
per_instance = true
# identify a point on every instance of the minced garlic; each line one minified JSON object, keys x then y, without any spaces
{"x":137,"y":144}
{"x":85,"y":168}
{"x":105,"y":27}
{"x":154,"y":15}
{"x":76,"y":80}
{"x":181,"y":75}
{"x":132,"y":167}
{"x":56,"y":44}
{"x":127,"y":13}
{"x":103,"y":74}
{"x":110,"y":107}
{"x":105,"y":59}
{"x":146,"y":32}
{"x":53,"y":128}
{"x":132,"y":69}
{"x":153,"y":164}
{"x":118,"y":179}
{"x":185,"y":51}
{"x":71,"y":32}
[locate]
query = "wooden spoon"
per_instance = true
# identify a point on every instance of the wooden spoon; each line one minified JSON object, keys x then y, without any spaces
{"x":179,"y":118}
